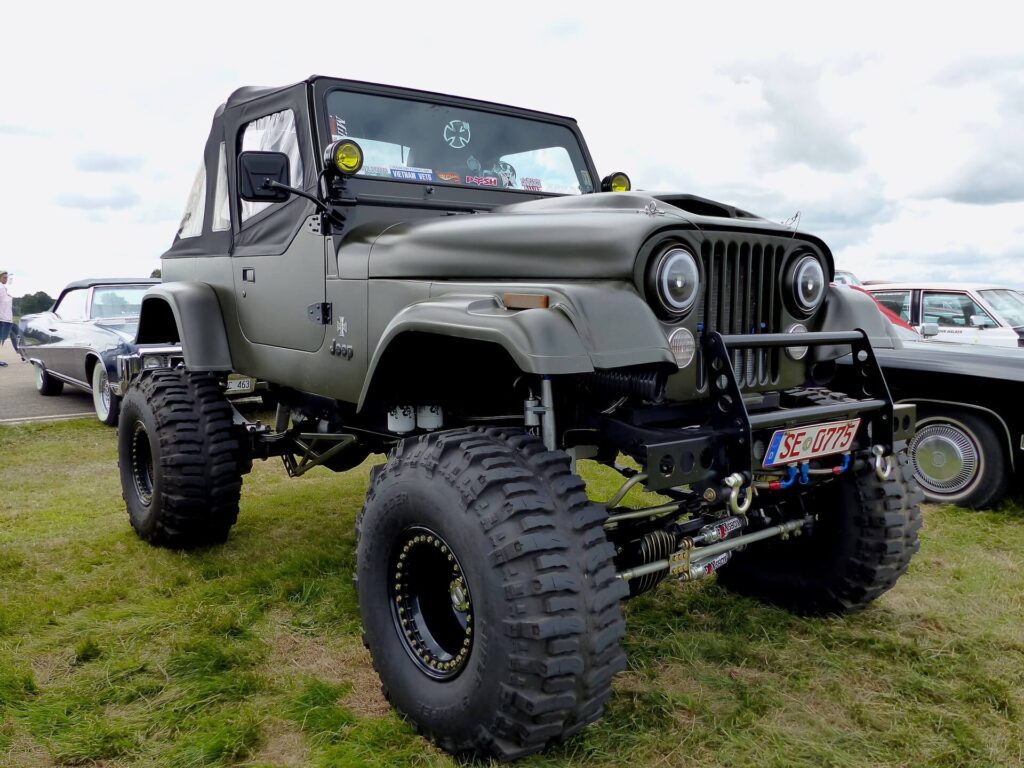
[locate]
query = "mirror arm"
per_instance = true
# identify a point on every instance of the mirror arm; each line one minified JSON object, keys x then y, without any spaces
{"x":324,"y":208}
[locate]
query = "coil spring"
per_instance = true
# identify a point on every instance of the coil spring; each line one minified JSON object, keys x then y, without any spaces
{"x":656,"y":545}
{"x":650,"y":385}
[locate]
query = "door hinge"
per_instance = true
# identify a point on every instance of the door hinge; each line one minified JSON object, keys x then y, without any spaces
{"x":321,"y":314}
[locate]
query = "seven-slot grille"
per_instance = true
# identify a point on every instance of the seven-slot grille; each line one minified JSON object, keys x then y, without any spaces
{"x":741,"y":296}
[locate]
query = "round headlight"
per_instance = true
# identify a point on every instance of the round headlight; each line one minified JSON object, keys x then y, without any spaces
{"x":797,"y":353}
{"x":808,"y":284}
{"x":678,"y":281}
{"x":345,"y":157}
{"x":683,"y":345}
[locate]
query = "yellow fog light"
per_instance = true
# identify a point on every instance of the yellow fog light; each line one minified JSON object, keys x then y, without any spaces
{"x":617,"y":182}
{"x":345,"y":157}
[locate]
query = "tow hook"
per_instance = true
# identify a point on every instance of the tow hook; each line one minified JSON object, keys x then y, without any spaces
{"x":883,"y":463}
{"x":736,"y":483}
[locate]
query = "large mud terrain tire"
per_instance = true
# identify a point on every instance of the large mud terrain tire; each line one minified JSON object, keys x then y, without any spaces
{"x":487,"y":592}
{"x":181,"y":459}
{"x":862,"y":541}
{"x":958,"y":458}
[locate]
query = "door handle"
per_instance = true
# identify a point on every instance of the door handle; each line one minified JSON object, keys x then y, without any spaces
{"x":248,"y":275}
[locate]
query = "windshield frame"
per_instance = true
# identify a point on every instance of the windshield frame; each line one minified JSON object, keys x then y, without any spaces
{"x":1012,"y":320}
{"x":455,"y":194}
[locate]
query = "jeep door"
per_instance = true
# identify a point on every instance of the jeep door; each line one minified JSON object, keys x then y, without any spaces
{"x":278,"y":262}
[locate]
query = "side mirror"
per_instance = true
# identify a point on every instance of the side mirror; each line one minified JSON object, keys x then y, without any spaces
{"x":258,"y":175}
{"x":929,"y":330}
{"x":982,"y":321}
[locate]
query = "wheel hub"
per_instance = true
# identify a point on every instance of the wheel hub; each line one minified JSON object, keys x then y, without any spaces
{"x":142,"y":464}
{"x":945,"y":458}
{"x":431,"y":603}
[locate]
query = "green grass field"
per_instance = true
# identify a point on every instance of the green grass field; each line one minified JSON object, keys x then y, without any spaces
{"x":113,"y":653}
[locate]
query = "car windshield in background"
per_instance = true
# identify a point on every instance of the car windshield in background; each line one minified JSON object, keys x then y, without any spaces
{"x":1008,"y":304}
{"x":119,"y":301}
{"x":419,"y":142}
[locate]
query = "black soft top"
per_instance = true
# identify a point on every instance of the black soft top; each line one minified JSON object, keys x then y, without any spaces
{"x":272,"y":230}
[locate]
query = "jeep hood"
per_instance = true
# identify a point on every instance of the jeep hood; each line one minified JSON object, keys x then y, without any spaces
{"x":581,"y":237}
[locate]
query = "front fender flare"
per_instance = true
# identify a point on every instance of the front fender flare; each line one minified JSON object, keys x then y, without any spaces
{"x":539,"y":341}
{"x":187,"y":313}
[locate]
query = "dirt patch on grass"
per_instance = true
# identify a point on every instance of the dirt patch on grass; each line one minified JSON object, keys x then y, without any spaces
{"x":283,"y":746}
{"x":26,"y":753}
{"x":294,"y":655}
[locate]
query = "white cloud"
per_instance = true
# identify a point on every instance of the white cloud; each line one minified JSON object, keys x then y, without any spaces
{"x":857,"y":116}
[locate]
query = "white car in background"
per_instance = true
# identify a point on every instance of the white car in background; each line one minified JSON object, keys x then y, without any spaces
{"x":970,"y":314}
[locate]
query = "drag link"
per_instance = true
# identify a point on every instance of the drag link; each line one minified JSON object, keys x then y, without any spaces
{"x":685,"y":558}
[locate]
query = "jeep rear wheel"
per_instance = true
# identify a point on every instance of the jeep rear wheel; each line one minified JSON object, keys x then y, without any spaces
{"x":181,"y":459}
{"x":487,"y":592}
{"x":862,"y":540}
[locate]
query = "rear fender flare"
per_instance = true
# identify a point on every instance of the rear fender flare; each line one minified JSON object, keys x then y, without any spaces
{"x":188,"y":314}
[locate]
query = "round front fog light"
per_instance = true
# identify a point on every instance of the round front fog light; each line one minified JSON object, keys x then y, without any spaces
{"x":683,"y":345}
{"x":797,"y":353}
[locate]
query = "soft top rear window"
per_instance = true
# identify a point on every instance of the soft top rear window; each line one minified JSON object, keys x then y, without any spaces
{"x":419,"y":142}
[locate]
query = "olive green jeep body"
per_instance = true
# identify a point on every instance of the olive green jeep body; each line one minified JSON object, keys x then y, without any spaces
{"x":443,"y":280}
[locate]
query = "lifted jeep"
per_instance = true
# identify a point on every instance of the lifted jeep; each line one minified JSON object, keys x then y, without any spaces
{"x":451,"y":282}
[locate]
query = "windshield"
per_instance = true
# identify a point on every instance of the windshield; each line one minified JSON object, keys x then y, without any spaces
{"x":419,"y":142}
{"x":117,"y":301}
{"x":1007,"y":303}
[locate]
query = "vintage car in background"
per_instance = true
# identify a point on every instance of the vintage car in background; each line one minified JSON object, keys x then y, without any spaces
{"x":78,"y":340}
{"x":989,"y":315}
{"x":845,"y":277}
{"x":968,"y":449}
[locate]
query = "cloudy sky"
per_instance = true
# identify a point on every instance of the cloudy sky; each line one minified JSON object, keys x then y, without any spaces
{"x":896,"y":134}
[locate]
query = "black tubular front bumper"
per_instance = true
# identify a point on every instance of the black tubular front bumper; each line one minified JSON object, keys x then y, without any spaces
{"x":732,"y":436}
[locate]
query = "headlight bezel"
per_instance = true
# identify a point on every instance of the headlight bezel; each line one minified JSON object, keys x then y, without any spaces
{"x":657,"y":282}
{"x":794,"y":277}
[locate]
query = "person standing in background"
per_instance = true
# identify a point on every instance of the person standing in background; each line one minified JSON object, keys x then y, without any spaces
{"x":6,"y":311}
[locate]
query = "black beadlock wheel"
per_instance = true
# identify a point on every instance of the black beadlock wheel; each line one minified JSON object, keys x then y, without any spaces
{"x":865,"y":533}
{"x":181,"y":459}
{"x":487,"y":592}
{"x":958,"y":458}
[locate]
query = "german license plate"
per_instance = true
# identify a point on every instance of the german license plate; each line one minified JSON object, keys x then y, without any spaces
{"x":802,"y":443}
{"x":241,"y":385}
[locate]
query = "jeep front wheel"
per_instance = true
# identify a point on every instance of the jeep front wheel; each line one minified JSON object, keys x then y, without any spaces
{"x":864,"y":535}
{"x":180,"y":458}
{"x":487,"y":592}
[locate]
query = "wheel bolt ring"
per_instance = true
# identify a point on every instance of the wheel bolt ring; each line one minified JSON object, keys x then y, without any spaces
{"x":431,"y":603}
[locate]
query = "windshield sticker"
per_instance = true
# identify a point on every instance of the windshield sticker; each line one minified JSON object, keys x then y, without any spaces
{"x":412,"y":174}
{"x":506,"y":173}
{"x":337,"y":127}
{"x":375,"y":170}
{"x":451,"y":178}
{"x":482,"y":181}
{"x":532,"y":185}
{"x":587,"y":185}
{"x":456,"y":134}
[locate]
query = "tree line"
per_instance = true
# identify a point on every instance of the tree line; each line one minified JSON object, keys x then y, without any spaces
{"x":40,"y":301}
